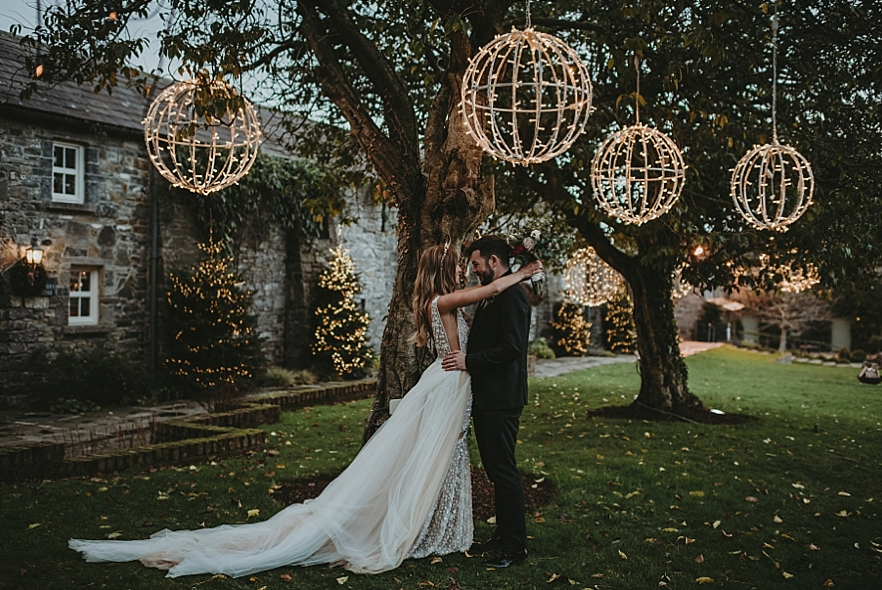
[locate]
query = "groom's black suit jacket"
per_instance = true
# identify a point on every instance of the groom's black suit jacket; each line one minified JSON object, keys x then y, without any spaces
{"x":497,"y":351}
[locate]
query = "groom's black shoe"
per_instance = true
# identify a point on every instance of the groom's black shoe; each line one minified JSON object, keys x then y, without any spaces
{"x":480,"y":548}
{"x":505,"y":558}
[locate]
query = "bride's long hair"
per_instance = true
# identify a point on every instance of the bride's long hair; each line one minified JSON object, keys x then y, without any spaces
{"x":436,"y":275}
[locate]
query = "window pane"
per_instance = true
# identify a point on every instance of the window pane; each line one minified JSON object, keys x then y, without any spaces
{"x":85,"y":303}
{"x":70,"y":182}
{"x":74,"y":308}
{"x":57,"y":182}
{"x":70,"y":161}
{"x":59,"y":156}
{"x":85,"y":281}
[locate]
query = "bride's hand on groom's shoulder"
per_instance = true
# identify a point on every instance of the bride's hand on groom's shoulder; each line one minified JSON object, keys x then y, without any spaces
{"x":531,"y":268}
{"x":454,"y":361}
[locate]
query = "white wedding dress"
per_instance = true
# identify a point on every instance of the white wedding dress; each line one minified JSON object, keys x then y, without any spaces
{"x":406,"y":494}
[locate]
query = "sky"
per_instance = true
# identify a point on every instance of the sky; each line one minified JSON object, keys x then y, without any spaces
{"x":24,"y":12}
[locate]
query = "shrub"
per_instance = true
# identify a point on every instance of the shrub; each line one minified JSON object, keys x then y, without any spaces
{"x":572,"y":331}
{"x":78,"y":381}
{"x":282,"y":377}
{"x":540,"y":349}
{"x":844,"y":353}
{"x":858,"y":356}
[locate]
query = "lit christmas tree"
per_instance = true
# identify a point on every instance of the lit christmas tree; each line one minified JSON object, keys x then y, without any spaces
{"x":215,"y":347}
{"x":341,"y":327}
{"x":621,"y":334}
{"x":572,"y":331}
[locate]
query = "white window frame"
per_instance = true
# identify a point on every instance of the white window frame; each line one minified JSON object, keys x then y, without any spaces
{"x":94,"y":293}
{"x":78,"y":171}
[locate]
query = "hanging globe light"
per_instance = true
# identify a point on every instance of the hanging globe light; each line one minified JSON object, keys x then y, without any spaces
{"x":773,"y":184}
{"x":589,"y":280}
{"x":638,"y":172}
{"x":526,"y":96}
{"x":681,"y":288}
{"x":197,"y":151}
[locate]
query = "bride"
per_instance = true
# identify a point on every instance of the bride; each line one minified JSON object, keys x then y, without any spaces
{"x":406,"y":494}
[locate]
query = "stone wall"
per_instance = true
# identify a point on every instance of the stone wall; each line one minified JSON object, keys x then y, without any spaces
{"x":372,"y":244}
{"x":261,"y":262}
{"x":108,"y":232}
{"x":111,"y":232}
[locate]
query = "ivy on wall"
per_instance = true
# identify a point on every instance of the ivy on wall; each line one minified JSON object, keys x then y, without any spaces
{"x":297,"y":195}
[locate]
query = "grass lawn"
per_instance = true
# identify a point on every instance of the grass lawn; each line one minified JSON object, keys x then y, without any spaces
{"x":788,"y":501}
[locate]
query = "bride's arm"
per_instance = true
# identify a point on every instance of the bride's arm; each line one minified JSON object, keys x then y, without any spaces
{"x":465,"y":297}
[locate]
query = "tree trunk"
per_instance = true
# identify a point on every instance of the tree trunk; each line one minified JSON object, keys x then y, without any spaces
{"x":782,"y":341}
{"x":662,"y":368}
{"x":455,"y":201}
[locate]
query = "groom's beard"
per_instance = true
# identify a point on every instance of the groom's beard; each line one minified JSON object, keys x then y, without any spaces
{"x":486,"y":277}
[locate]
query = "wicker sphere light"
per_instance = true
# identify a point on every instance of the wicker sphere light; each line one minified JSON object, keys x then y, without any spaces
{"x":637,"y":174}
{"x":196,"y":151}
{"x":772,"y":186}
{"x":526,"y":97}
{"x":589,"y":280}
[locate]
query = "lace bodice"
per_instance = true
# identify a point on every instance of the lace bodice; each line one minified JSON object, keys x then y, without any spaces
{"x":439,"y":335}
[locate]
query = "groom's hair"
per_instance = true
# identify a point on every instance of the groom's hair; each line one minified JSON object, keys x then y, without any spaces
{"x":488,"y":246}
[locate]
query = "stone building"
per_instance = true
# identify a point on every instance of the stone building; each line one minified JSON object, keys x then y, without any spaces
{"x":76,"y":182}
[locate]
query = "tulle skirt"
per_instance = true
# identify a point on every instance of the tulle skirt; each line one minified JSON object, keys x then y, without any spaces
{"x":369,"y":519}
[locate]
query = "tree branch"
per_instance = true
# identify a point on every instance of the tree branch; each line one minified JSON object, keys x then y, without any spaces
{"x":402,"y":175}
{"x":400,"y":117}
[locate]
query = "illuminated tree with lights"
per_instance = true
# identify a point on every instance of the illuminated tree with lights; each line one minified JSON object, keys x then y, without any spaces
{"x":572,"y":332}
{"x":215,"y":348}
{"x":339,"y":333}
{"x":621,"y":334}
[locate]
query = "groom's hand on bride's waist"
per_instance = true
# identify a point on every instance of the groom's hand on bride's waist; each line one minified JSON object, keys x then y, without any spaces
{"x":455,"y":361}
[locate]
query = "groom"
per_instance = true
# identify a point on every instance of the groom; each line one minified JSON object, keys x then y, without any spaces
{"x":497,"y":363}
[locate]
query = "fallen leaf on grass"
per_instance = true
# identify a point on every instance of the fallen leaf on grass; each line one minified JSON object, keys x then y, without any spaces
{"x":491,"y":520}
{"x":844,"y":494}
{"x":114,"y":535}
{"x":717,"y":523}
{"x":777,"y":519}
{"x":704,"y":580}
{"x":253,"y":512}
{"x":285,"y":577}
{"x":622,"y":554}
{"x":597,"y":576}
{"x":726,"y":535}
{"x":751,"y":499}
{"x":814,"y":547}
{"x":700,"y":558}
{"x":436,"y":560}
{"x":842,"y":513}
{"x":697,"y":494}
{"x":787,"y":575}
{"x":33,"y":525}
{"x":828,"y":583}
{"x":552,"y":577}
{"x":342,"y":580}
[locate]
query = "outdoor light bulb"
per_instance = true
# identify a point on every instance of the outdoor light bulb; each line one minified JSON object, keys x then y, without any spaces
{"x":699,"y":250}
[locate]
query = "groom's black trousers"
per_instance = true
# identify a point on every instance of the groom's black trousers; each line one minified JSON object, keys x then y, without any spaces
{"x":496,"y":432}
